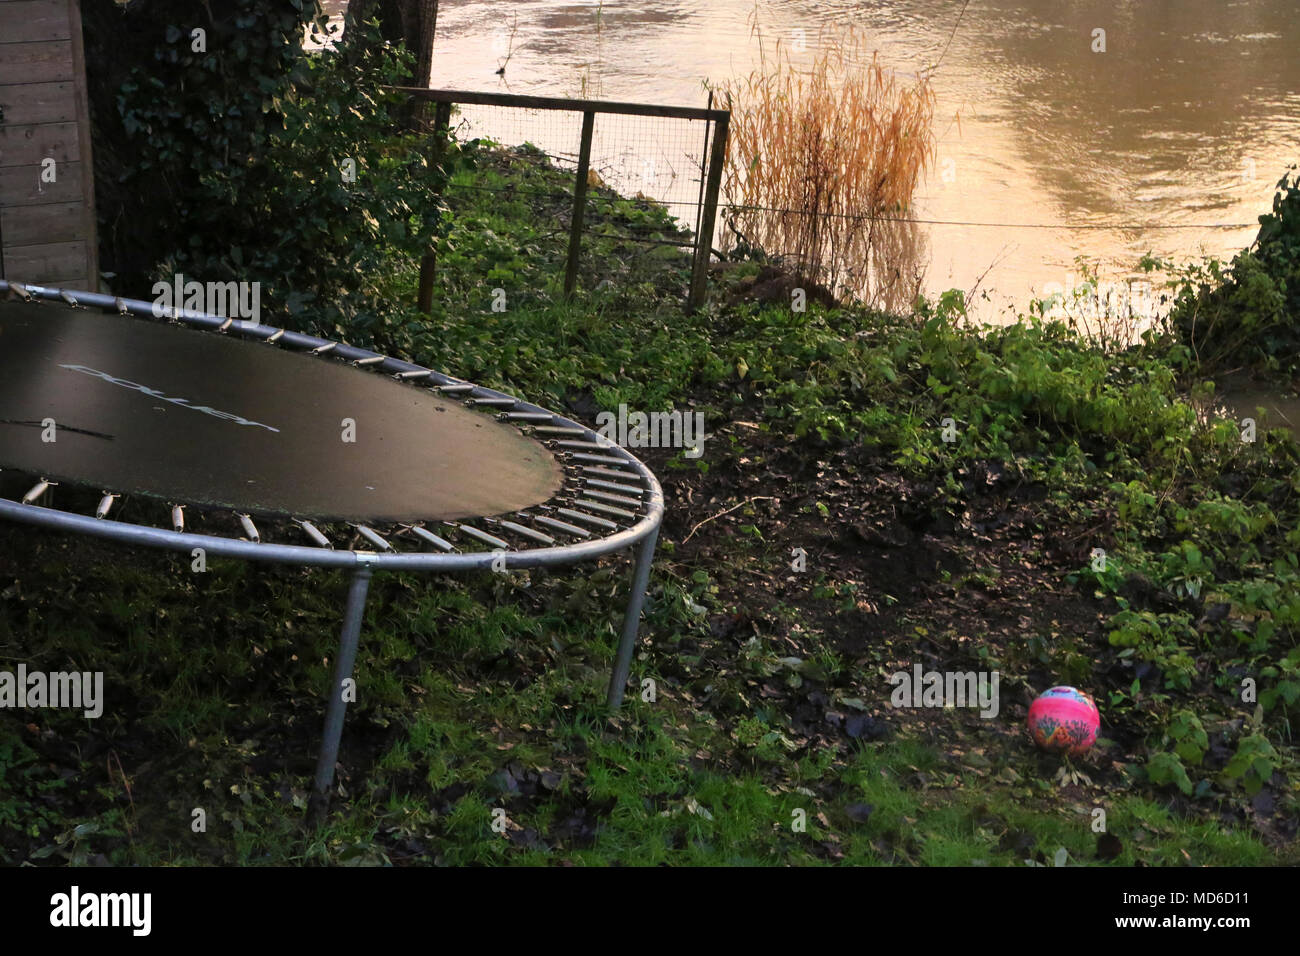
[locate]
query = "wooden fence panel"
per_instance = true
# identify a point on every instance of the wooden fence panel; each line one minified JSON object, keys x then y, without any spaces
{"x":47,"y":192}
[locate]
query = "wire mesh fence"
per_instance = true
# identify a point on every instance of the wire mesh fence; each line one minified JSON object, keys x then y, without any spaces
{"x":663,"y":160}
{"x":660,"y":156}
{"x":660,"y":159}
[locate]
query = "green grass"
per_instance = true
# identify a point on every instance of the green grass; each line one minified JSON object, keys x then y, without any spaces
{"x":216,"y":679}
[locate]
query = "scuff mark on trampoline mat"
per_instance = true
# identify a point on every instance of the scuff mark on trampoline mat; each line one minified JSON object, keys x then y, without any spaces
{"x":64,"y":428}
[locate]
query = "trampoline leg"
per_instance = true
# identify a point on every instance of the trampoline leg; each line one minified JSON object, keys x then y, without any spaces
{"x":329,"y":748}
{"x":640,"y":581}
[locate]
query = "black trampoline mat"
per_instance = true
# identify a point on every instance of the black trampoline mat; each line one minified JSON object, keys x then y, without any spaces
{"x":200,"y":418}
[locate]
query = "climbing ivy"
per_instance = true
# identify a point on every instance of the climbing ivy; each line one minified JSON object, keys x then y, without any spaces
{"x":246,"y":157}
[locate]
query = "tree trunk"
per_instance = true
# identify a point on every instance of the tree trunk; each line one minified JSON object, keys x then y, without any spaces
{"x":420,"y":41}
{"x":426,"y":26}
{"x":410,"y":21}
{"x":414,"y":23}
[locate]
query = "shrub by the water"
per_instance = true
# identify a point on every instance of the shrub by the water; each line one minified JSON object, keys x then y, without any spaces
{"x":1248,"y":315}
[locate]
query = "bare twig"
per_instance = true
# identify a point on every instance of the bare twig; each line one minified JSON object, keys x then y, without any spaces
{"x":510,"y":50}
{"x":960,"y":15}
{"x":727,"y":512}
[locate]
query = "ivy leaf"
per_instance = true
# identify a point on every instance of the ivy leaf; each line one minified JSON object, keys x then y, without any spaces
{"x":1166,"y":768}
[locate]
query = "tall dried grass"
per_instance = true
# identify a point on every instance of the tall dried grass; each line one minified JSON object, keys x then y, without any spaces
{"x":823,"y":160}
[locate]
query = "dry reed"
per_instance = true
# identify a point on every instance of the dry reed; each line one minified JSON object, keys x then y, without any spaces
{"x":822,"y":162}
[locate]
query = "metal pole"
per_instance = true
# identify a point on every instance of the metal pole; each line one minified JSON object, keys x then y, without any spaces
{"x":699,"y":201}
{"x":627,"y":643}
{"x":579,"y":204}
{"x":329,"y":748}
{"x":717,"y":158}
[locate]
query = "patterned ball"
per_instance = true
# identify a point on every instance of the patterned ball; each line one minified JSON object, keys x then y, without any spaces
{"x":1064,"y":720}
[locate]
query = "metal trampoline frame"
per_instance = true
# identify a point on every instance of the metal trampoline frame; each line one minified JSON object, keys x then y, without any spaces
{"x":605,"y":488}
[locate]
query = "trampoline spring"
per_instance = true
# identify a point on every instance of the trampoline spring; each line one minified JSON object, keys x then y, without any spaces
{"x":555,"y":429}
{"x":315,"y":534}
{"x":581,"y":445}
{"x":224,"y":326}
{"x":121,"y":305}
{"x":616,"y":499}
{"x":493,"y":402}
{"x":370,"y":360}
{"x":178,"y":518}
{"x":250,"y":529}
{"x":586,"y":518}
{"x":275,"y":336}
{"x":322,"y":349}
{"x":527,"y":417}
{"x":604,"y":509}
{"x":442,"y":544}
{"x":373,"y":537}
{"x":69,"y":298}
{"x":562,"y":526}
{"x":483,"y":536}
{"x":459,"y":388}
{"x":598,"y":459}
{"x":527,"y":532}
{"x":406,"y":376}
{"x":105,"y":505}
{"x":613,"y":486}
{"x":38,"y":489}
{"x":609,"y":473}
{"x":21,"y":290}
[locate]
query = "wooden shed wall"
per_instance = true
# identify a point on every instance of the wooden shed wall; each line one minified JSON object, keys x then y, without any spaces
{"x":47,"y":229}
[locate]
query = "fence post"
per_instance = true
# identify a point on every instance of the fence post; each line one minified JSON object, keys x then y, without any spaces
{"x":429,"y":263}
{"x":428,"y":269}
{"x":579,"y":204}
{"x":704,"y":175}
{"x":704,"y":239}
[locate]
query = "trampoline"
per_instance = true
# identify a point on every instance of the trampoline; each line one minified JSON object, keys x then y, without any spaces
{"x":196,"y":431}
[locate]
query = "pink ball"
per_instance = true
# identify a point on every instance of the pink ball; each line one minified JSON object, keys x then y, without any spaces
{"x":1064,"y":720}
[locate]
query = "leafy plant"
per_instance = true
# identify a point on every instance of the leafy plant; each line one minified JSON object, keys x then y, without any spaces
{"x":300,"y":180}
{"x":1158,"y":638}
{"x":1165,"y":769}
{"x":1253,"y":763}
{"x":1189,"y":737}
{"x":1249,"y":312}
